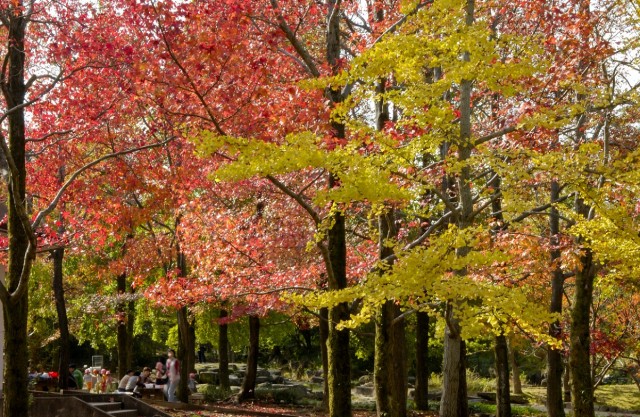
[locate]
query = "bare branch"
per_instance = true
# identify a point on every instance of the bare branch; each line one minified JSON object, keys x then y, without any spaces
{"x":295,"y":42}
{"x":42,"y":214}
{"x":539,"y":209}
{"x":401,"y":21}
{"x":297,"y":197}
{"x":494,"y":135}
{"x":48,"y":135}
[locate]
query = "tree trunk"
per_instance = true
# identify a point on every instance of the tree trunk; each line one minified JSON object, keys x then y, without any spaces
{"x":223,"y":353}
{"x":454,"y":402}
{"x":123,"y":334}
{"x":63,"y":323}
{"x":555,"y":405}
{"x":422,"y":361}
{"x":249,"y":383}
{"x":324,"y":337}
{"x":339,"y":375}
{"x":515,"y":370}
{"x":566,"y":381}
{"x":390,"y":364}
{"x":503,"y":395}
{"x":580,"y":339}
{"x":389,"y":371}
{"x":16,"y":396}
{"x":186,"y":352}
{"x":454,"y":389}
{"x":339,"y":380}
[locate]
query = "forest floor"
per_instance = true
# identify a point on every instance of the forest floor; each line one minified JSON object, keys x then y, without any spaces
{"x":612,"y":400}
{"x":264,"y":410}
{"x":623,"y":399}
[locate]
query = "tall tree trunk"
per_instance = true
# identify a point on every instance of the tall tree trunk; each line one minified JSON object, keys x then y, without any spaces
{"x":555,"y":405}
{"x":580,"y":335}
{"x":453,"y":370}
{"x":186,"y":351}
{"x":16,"y":309}
{"x":249,"y":383}
{"x":515,"y":370}
{"x":339,"y":376}
{"x":63,"y":323}
{"x":501,"y":349}
{"x":324,"y":336}
{"x":454,"y":402}
{"x":339,"y":380}
{"x":223,"y":352}
{"x":124,"y":337}
{"x":422,"y":361}
{"x":580,"y":339}
{"x":186,"y":337}
{"x":390,"y":375}
{"x":566,"y":382}
{"x":503,"y":396}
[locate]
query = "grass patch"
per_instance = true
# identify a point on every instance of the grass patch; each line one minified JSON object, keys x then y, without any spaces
{"x":624,"y":397}
{"x":475,"y":383}
{"x":516,"y":410}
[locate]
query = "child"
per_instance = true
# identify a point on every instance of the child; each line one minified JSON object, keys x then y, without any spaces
{"x":192,"y":382}
{"x":87,"y":379}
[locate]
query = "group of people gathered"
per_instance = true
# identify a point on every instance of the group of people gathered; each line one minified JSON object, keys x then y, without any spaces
{"x":166,"y":376}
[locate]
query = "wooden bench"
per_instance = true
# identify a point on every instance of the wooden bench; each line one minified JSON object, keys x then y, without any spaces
{"x":152,"y":393}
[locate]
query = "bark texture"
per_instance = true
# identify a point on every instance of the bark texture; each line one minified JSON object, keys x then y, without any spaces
{"x":580,"y":339}
{"x":390,"y":376}
{"x":249,"y":384}
{"x":503,"y":395}
{"x":57,"y":257}
{"x":339,"y":375}
{"x":324,"y":336}
{"x":555,"y":404}
{"x":186,"y":351}
{"x":454,"y":391}
{"x":15,"y":392}
{"x":422,"y":361}
{"x":124,"y":328}
{"x":515,"y":370}
{"x":223,"y":352}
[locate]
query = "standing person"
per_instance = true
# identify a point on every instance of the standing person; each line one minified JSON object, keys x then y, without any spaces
{"x":201,"y":357}
{"x":77,"y":375}
{"x":173,"y":373}
{"x":87,"y":379}
{"x":71,"y":379}
{"x":108,"y":381}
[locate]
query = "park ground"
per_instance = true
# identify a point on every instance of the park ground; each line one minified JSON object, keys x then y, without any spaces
{"x":612,"y":400}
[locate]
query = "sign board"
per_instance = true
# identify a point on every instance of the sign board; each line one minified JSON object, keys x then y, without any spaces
{"x":97,"y":361}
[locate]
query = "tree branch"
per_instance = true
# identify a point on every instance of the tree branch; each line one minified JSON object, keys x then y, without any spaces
{"x":44,"y":213}
{"x":295,"y":42}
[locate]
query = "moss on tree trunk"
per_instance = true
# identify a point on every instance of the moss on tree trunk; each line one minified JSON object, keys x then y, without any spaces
{"x":503,"y":395}
{"x":580,"y":339}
